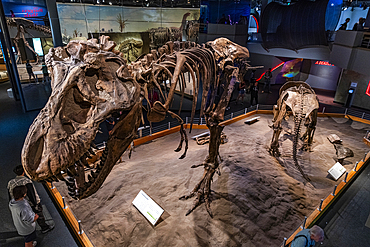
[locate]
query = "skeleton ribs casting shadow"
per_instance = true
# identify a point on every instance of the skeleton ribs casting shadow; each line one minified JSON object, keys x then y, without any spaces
{"x":299,"y":98}
{"x":91,"y":82}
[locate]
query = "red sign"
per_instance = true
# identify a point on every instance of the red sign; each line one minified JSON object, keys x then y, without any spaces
{"x":368,"y":89}
{"x":323,"y":63}
{"x":33,"y":12}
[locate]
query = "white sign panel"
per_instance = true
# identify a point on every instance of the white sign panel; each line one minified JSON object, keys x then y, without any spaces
{"x":148,"y":207}
{"x":337,"y":170}
{"x":353,"y":84}
{"x":37,"y":46}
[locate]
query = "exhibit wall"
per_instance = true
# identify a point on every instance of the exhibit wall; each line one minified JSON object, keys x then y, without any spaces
{"x":362,"y":92}
{"x":320,"y":74}
{"x":163,"y":24}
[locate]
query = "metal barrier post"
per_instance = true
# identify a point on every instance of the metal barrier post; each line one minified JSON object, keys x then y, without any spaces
{"x":64,"y":203}
{"x":323,"y":110}
{"x":345,"y":177}
{"x":257,"y":107}
{"x":80,"y":231}
{"x":186,"y":120}
{"x":363,"y":159}
{"x":169,"y":125}
{"x":322,"y":200}
{"x":345,"y":112}
{"x":201,"y":121}
{"x":150,"y":131}
{"x":304,"y":223}
{"x":141,"y":133}
{"x":335,"y":188}
{"x":245,"y":110}
{"x":363,"y":115}
{"x":232,"y":115}
{"x":355,"y":169}
{"x":284,"y":242}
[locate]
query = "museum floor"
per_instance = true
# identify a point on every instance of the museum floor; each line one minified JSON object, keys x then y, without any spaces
{"x":345,"y":226}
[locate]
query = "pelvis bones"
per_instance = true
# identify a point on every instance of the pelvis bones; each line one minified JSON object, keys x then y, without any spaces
{"x":91,"y":82}
{"x":299,"y":98}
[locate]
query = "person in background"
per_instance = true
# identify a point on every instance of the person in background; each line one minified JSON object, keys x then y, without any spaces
{"x":359,"y":26}
{"x":343,"y":26}
{"x":45,"y":72}
{"x":308,"y":237}
{"x":254,"y":88}
{"x":32,"y":197}
{"x":23,"y":216}
{"x":268,"y":76}
{"x":241,"y":92}
{"x":222,"y":20}
{"x":228,"y":20}
{"x":29,"y":71}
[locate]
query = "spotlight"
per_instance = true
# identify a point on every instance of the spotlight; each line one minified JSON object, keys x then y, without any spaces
{"x":110,"y":3}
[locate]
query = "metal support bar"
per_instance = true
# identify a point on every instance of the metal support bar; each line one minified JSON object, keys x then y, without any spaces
{"x":322,"y":200}
{"x":335,"y":188}
{"x":245,"y":110}
{"x":304,"y":223}
{"x":345,"y":112}
{"x":345,"y":177}
{"x":284,"y":242}
{"x":355,"y":169}
{"x":186,"y":120}
{"x":80,"y":231}
{"x":323,"y":110}
{"x":363,"y":159}
{"x":169,"y":125}
{"x":363,"y":115}
{"x":64,"y":203}
{"x":232,"y":115}
{"x":257,"y":107}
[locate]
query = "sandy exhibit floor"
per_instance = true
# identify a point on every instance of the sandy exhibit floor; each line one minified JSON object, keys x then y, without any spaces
{"x":257,"y":201}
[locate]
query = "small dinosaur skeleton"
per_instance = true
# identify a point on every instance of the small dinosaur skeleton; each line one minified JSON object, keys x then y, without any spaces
{"x":22,"y":25}
{"x":91,"y":82}
{"x":299,"y":98}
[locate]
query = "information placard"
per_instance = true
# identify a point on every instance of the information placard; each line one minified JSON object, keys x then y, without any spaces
{"x":147,"y":207}
{"x":337,"y":170}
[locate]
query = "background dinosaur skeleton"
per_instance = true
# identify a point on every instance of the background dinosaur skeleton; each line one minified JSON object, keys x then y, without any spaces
{"x":299,"y":98}
{"x":92,"y":82}
{"x":22,"y":25}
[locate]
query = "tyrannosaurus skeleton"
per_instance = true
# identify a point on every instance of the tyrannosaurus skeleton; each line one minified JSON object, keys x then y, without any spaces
{"x":92,"y":82}
{"x":299,"y":98}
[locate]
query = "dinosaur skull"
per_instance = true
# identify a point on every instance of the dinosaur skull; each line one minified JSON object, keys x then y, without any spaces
{"x":228,"y":50}
{"x":90,"y":84}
